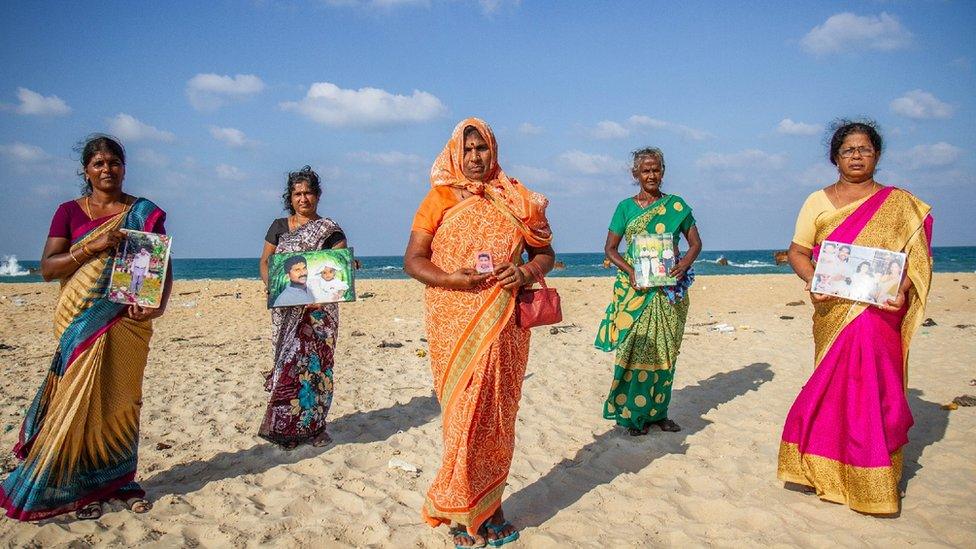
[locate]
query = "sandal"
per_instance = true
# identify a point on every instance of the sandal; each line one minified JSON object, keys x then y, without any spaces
{"x":322,"y":440}
{"x":92,"y":511}
{"x":461,"y":532}
{"x":138,"y":505}
{"x":497,"y":529}
{"x":667,"y":425}
{"x":634,"y":432}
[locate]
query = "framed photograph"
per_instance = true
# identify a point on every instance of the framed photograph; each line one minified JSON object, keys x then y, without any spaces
{"x":653,"y":257}
{"x":303,"y":278}
{"x":858,"y":273}
{"x":139,"y":269}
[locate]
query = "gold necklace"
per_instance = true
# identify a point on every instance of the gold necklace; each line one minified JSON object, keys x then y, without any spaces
{"x":874,"y":189}
{"x":88,"y":206}
{"x":649,"y":200}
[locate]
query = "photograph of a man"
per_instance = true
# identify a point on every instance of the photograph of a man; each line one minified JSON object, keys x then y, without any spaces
{"x":296,"y":292}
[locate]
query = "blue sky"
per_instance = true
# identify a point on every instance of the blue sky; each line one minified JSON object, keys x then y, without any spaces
{"x":215,"y":104}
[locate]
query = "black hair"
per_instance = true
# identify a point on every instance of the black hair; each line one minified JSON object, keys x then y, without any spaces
{"x":842,"y":127}
{"x":294,"y":260}
{"x":88,"y":147}
{"x":845,"y":247}
{"x":863,"y":263}
{"x":307,"y":175}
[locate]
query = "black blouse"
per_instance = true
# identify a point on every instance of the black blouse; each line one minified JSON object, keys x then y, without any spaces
{"x":280,"y":227}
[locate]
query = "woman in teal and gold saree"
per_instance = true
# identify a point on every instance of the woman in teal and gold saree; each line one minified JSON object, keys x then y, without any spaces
{"x":645,"y":326}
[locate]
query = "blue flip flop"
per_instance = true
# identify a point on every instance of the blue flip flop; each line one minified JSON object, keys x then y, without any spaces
{"x":497,"y":529}
{"x":463,"y":531}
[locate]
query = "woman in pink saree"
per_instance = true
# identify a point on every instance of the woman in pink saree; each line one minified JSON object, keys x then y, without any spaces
{"x":845,"y":432}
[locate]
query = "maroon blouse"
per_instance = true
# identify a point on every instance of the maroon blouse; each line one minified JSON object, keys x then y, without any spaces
{"x":70,"y":221}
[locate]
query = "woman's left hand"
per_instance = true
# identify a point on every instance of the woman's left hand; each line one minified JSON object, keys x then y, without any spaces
{"x":136,"y":312}
{"x":679,"y":270}
{"x":895,"y":304}
{"x":509,"y":276}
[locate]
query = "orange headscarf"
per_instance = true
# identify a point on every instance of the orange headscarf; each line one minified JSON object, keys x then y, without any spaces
{"x":527,"y":208}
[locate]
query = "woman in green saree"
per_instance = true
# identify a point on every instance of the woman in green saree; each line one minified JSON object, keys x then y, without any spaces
{"x":645,"y":326}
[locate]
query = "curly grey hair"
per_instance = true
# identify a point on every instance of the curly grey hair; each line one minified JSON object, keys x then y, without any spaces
{"x":648,"y":152}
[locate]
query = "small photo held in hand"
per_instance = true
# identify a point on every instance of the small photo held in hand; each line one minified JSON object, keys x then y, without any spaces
{"x":139,"y":269}
{"x":483,"y":263}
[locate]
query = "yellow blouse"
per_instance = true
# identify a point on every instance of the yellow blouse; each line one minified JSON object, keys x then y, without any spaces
{"x":815,"y":205}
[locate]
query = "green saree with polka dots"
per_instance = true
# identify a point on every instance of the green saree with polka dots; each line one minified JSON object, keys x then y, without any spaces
{"x":645,"y":327}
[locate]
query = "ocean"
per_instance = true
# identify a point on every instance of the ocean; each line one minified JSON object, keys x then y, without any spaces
{"x":956,"y":259}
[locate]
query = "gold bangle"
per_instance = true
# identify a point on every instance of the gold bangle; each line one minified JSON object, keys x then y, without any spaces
{"x":84,"y":248}
{"x":72,"y":254}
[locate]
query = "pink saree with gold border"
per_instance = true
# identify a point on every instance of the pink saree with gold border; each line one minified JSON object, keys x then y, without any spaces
{"x":845,"y":432}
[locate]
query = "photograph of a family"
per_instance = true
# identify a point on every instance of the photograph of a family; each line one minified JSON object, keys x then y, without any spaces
{"x":304,"y":278}
{"x":140,"y":269}
{"x":858,"y":273}
{"x":653,"y":258}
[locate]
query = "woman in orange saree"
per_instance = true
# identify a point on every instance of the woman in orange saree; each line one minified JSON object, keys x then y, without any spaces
{"x":478,"y":353}
{"x":845,"y":432}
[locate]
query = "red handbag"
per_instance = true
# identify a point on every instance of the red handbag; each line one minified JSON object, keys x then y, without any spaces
{"x":537,"y":306}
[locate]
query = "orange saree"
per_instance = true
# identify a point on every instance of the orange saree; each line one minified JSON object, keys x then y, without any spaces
{"x":478,"y":353}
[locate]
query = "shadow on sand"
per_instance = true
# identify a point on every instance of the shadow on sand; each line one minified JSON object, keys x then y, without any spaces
{"x":358,"y":427}
{"x":617,"y":453}
{"x":931,"y":422}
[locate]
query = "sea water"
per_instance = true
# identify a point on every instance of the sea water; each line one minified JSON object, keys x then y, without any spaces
{"x":956,"y":259}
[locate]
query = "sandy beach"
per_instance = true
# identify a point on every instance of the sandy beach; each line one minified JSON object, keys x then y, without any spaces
{"x":576,"y":481}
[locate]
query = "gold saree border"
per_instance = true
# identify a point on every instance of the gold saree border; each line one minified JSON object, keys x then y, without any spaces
{"x":872,"y":490}
{"x":476,"y":515}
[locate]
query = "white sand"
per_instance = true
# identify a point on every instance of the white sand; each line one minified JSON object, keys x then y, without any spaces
{"x":575,"y":481}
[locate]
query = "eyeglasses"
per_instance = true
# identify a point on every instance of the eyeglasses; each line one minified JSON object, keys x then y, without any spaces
{"x":863,"y":152}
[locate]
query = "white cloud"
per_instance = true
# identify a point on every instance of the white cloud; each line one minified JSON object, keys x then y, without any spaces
{"x":230,"y":173}
{"x":963,"y":63}
{"x":129,"y":128}
{"x":33,"y":103}
{"x":638,"y":122}
{"x":749,"y":159}
{"x":592,"y":164}
{"x":936,"y":155}
{"x":35,"y":162}
{"x":23,"y":153}
{"x":530,"y":174}
{"x":608,"y":129}
{"x":788,"y":127}
{"x":373,"y":108}
{"x":820,"y":174}
{"x":921,"y":104}
{"x":232,"y":137}
{"x":846,"y":32}
{"x":151,"y":157}
{"x":211,"y":91}
{"x":391,"y":158}
{"x":491,"y":6}
{"x":527,"y":128}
